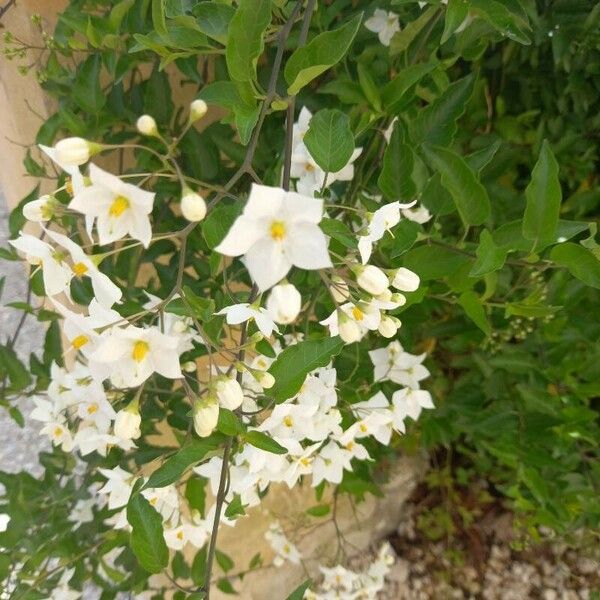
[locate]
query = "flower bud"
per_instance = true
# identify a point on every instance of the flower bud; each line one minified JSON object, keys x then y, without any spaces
{"x":339,"y":289}
{"x":264,"y":378}
{"x":372,"y":279}
{"x":4,"y":521}
{"x":206,"y":416}
{"x":41,"y":209}
{"x":198,"y":109}
{"x":189,"y":367}
{"x":348,"y":329}
{"x":146,"y":125}
{"x":127,"y":422}
{"x":405,"y":280}
{"x":75,"y":151}
{"x":284,"y":303}
{"x":193,"y":206}
{"x":387,"y":327}
{"x":229,"y":393}
{"x":399,"y":299}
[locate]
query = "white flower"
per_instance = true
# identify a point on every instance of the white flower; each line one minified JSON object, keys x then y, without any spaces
{"x":40,"y":210}
{"x":239,"y":313}
{"x":206,"y":416}
{"x":284,"y":303}
{"x":418,"y":215}
{"x":82,"y":512}
{"x":409,"y":402}
{"x":134,"y":354}
{"x":118,"y":487}
{"x":372,"y":279}
{"x":382,"y":220}
{"x":393,"y":364}
{"x":146,"y":125}
{"x":128,"y":421}
{"x":283,"y":548}
{"x":198,"y":109}
{"x":62,"y":591}
{"x":405,"y":280}
{"x":4,"y":520}
{"x":329,"y":464}
{"x":74,"y":151}
{"x":193,"y":206}
{"x":229,"y":392}
{"x":352,"y":321}
{"x":276,"y":231}
{"x":301,"y":125}
{"x":388,"y":326}
{"x":177,"y":537}
{"x":119,"y":208}
{"x":290,"y":421}
{"x":59,"y":434}
{"x":339,"y":289}
{"x":165,"y":500}
{"x":385,"y":24}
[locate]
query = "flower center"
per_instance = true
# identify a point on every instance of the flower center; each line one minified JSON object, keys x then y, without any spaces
{"x":92,"y":408}
{"x":69,"y":186}
{"x":363,"y":428}
{"x":119,"y":206}
{"x":140,"y":349}
{"x":58,"y":431}
{"x":180,"y":535}
{"x":79,"y":269}
{"x":358,"y":314}
{"x":277,"y":230}
{"x":79,"y":341}
{"x":288,"y":421}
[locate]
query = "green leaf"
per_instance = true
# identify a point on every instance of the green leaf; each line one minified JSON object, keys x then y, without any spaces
{"x":320,"y":54}
{"x":456,"y":13}
{"x":195,"y":493}
{"x":481,"y":158}
{"x":175,"y":466}
{"x":297,"y":361}
{"x":395,"y":179}
{"x":436,"y":124}
{"x":394,"y":92}
{"x":147,"y":540}
{"x":224,"y":561}
{"x":339,"y":231}
{"x":434,"y":262}
{"x":329,"y":139}
{"x":474,"y":309}
{"x":320,"y":510}
{"x":53,"y":349}
{"x":219,"y":222}
{"x":214,"y":19}
{"x":501,"y":18}
{"x":406,"y":36}
{"x":470,"y":197}
{"x":87,"y":91}
{"x":369,"y":87}
{"x":245,"y":38}
{"x":229,"y":423}
{"x":264,"y":442}
{"x":580,"y":262}
{"x":405,"y":235}
{"x":11,"y":365}
{"x":543,"y":196}
{"x":203,"y":308}
{"x":235,"y":508}
{"x":299,"y":592}
{"x":158,"y":17}
{"x":489,"y":256}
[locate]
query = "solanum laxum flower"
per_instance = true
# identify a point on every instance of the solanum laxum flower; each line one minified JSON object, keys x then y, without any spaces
{"x":193,"y":206}
{"x":284,"y":303}
{"x":229,"y":392}
{"x":119,"y":208}
{"x":75,"y":151}
{"x":128,"y":420}
{"x":277,"y":230}
{"x":240,"y":313}
{"x":206,"y":416}
{"x":41,"y":210}
{"x":384,"y":24}
{"x":146,"y":125}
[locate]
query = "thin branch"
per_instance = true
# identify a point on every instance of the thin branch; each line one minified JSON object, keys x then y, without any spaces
{"x":7,"y":7}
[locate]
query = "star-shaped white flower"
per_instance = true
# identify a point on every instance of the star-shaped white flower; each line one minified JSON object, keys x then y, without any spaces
{"x":276,"y":231}
{"x":239,"y":313}
{"x":383,"y":23}
{"x":119,"y":208}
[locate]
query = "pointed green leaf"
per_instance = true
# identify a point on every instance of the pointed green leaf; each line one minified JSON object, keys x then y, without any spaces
{"x":580,"y":261}
{"x":320,"y":54}
{"x":474,"y":309}
{"x":469,"y":195}
{"x":395,"y":179}
{"x":489,"y":256}
{"x":264,"y":442}
{"x":329,"y":139}
{"x":543,"y":195}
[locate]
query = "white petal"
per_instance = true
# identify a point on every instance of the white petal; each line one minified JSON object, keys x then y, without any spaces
{"x":263,"y":201}
{"x":299,"y":208}
{"x":267,"y":263}
{"x":306,"y":246}
{"x":244,"y":233}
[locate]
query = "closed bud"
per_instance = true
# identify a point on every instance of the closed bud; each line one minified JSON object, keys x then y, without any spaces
{"x":405,"y":280}
{"x":41,"y":209}
{"x":284,"y":303}
{"x":75,"y":151}
{"x":193,"y":206}
{"x":198,"y":109}
{"x":399,"y":299}
{"x":371,"y":279}
{"x":127,"y":422}
{"x":387,"y":327}
{"x":339,"y":289}
{"x":189,"y":366}
{"x":146,"y":125}
{"x":229,"y":392}
{"x":348,"y":329}
{"x":264,"y":378}
{"x":206,"y":416}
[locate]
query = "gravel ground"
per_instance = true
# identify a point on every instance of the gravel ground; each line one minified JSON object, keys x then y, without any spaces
{"x":20,"y":447}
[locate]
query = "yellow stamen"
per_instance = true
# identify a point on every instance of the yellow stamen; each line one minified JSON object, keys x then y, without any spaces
{"x":277,"y":230}
{"x":305,"y":461}
{"x":58,"y":431}
{"x":69,"y":186}
{"x":288,"y":421}
{"x":79,"y":341}
{"x":119,"y":206}
{"x":363,"y":428}
{"x":79,"y":269}
{"x":140,"y":349}
{"x":92,"y":408}
{"x":358,"y":314}
{"x":180,"y":535}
